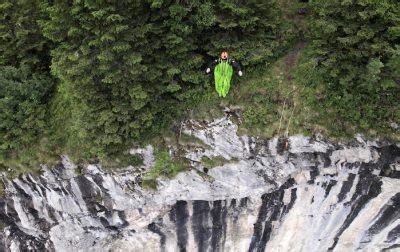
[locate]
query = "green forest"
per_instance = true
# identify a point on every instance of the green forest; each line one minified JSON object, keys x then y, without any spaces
{"x":91,"y":79}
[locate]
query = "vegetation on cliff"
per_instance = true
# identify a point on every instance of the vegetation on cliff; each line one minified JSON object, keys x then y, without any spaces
{"x":90,"y":78}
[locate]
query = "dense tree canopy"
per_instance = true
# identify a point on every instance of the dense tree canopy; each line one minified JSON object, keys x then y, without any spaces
{"x":357,"y":47}
{"x":124,"y":64}
{"x":21,"y":41}
{"x":24,"y":98}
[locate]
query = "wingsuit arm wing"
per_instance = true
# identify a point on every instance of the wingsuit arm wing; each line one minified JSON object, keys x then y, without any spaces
{"x":236,"y":66}
{"x":211,"y":66}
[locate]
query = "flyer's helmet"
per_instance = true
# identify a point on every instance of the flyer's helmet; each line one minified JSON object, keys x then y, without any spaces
{"x":224,"y":54}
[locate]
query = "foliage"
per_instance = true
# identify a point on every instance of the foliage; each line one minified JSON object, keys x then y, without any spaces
{"x":164,"y":166}
{"x":24,"y":112}
{"x":354,"y":63}
{"x":122,"y":160}
{"x":216,"y":161}
{"x":190,"y":140}
{"x":2,"y":190}
{"x":24,"y":98}
{"x":261,"y":97}
{"x":115,"y":60}
{"x":252,"y":30}
{"x":90,"y":78}
{"x":21,"y":40}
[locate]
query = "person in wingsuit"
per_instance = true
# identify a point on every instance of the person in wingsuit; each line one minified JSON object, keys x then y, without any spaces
{"x":223,"y":68}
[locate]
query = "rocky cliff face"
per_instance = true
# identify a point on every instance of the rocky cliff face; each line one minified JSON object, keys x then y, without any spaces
{"x":299,"y":194}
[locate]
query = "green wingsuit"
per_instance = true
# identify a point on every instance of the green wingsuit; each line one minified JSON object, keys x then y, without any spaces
{"x":223,"y":72}
{"x":222,"y":77}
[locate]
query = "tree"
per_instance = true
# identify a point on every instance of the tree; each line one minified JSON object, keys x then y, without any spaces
{"x":24,"y":98}
{"x":21,"y":41}
{"x":124,"y":66}
{"x":253,"y":30}
{"x":356,"y":46}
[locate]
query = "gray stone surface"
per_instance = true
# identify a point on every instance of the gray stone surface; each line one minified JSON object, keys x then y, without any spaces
{"x":311,"y":196}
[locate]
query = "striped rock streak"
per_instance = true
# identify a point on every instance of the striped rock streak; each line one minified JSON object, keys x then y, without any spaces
{"x":296,"y":194}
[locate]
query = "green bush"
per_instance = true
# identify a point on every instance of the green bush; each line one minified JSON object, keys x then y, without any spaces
{"x":164,"y":166}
